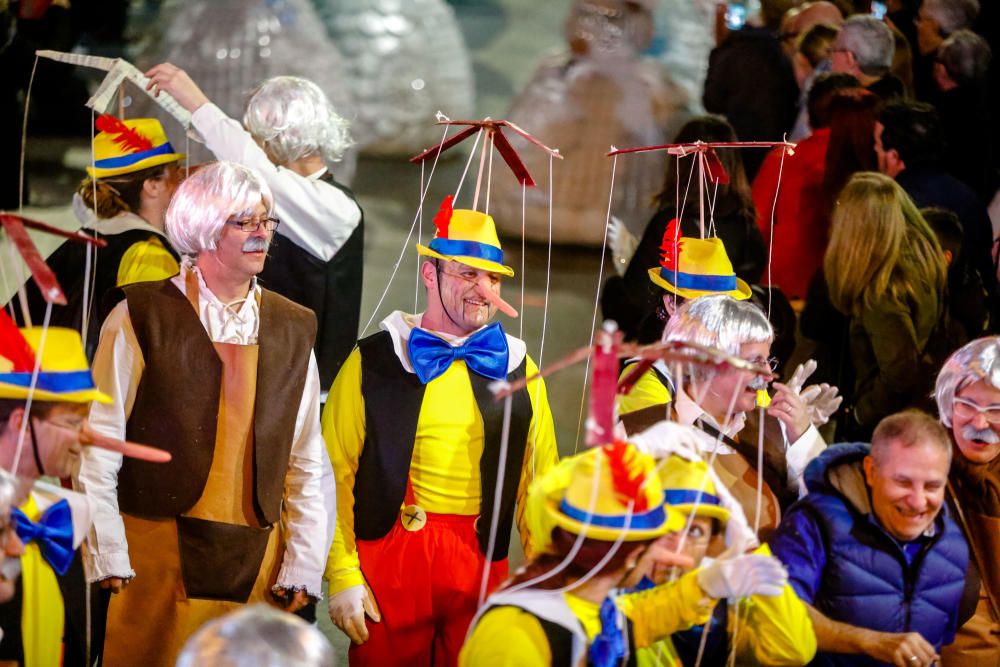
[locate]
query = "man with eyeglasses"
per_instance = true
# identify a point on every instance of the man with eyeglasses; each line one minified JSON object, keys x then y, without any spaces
{"x":221,"y":373}
{"x":429,"y":466}
{"x":968,"y":399}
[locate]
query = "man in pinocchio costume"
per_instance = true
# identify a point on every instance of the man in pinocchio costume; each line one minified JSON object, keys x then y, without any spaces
{"x":415,"y":438}
{"x":220,"y":373}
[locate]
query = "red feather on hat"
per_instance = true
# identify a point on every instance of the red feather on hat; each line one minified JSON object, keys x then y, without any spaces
{"x":628,"y":486}
{"x":671,"y":245}
{"x":14,"y":347}
{"x":443,"y":217}
{"x":123,"y":135}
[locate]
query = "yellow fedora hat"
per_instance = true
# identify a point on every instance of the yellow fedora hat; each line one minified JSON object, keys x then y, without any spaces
{"x":627,"y":502}
{"x":689,"y":488}
{"x":126,"y":146}
{"x":469,"y":237}
{"x":63,"y":377}
{"x":693,"y":267}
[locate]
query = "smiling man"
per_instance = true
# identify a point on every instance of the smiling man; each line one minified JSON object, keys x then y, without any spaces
{"x":968,"y":399}
{"x":219,"y":372}
{"x":871,"y":550}
{"x":415,"y":437}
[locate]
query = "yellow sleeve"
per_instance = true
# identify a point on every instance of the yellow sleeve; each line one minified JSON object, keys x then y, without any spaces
{"x":777,"y":630}
{"x":646,"y":392}
{"x":541,"y":454}
{"x":343,"y":424}
{"x":666,"y":609}
{"x":145,"y":261}
{"x":506,"y":637}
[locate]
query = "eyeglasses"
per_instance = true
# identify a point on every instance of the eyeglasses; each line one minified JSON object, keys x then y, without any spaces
{"x":251,"y":225}
{"x":966,"y":409}
{"x":771,"y":362}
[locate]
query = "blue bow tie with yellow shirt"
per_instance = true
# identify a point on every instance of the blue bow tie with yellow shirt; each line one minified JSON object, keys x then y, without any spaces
{"x":53,"y":533}
{"x":485,"y":353}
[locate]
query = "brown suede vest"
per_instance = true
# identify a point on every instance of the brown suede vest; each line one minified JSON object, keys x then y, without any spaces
{"x":177,"y":401}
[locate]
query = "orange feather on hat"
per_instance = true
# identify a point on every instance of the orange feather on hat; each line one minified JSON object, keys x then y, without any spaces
{"x":124,"y":136}
{"x":671,"y":245}
{"x":13,"y":347}
{"x":628,"y":486}
{"x":443,"y":217}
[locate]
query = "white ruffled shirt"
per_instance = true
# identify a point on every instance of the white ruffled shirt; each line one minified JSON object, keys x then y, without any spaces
{"x":309,"y":483}
{"x":315,"y":215}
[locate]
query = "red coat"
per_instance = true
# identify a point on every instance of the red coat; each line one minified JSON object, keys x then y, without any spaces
{"x":801,"y":223}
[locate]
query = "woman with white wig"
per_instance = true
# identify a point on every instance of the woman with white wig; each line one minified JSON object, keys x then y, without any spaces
{"x":290,"y":134}
{"x":718,"y":400}
{"x":968,"y":400}
{"x":257,"y":636}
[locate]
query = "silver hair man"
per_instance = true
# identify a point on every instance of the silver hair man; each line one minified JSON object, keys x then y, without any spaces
{"x":951,"y":15}
{"x":965,"y":57}
{"x":976,"y":361}
{"x":871,"y":42}
{"x":257,"y":636}
{"x":719,"y":321}
{"x":292,"y":119}
{"x":207,"y":199}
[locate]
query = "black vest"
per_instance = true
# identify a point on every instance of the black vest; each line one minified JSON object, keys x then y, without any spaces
{"x":177,"y":402}
{"x":68,"y":263}
{"x":331,"y":289}
{"x":393,"y":398}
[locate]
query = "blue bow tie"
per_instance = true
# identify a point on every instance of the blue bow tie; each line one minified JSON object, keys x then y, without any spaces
{"x":485,"y":353}
{"x":53,"y":533}
{"x":608,"y":648}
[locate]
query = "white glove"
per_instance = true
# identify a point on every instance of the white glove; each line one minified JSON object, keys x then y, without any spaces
{"x":801,"y":374}
{"x":742,"y":576}
{"x":665,"y":438}
{"x":348,"y":608}
{"x":822,"y":400}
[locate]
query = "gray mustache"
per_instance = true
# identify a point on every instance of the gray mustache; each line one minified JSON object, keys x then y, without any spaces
{"x":10,"y":569}
{"x":757,"y":383}
{"x":256,"y":244}
{"x":986,"y":435}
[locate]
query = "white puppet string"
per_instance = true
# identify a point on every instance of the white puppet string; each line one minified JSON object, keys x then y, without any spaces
{"x":495,"y":514}
{"x":545,"y":308}
{"x":524,"y":278}
{"x":489,"y":177}
{"x":760,"y":469}
{"x":24,"y":136}
{"x":597,"y":301}
{"x":472,"y":154}
{"x":88,"y":256}
{"x":406,"y":243}
{"x":420,"y":241}
{"x":31,"y":390}
{"x":770,"y":237}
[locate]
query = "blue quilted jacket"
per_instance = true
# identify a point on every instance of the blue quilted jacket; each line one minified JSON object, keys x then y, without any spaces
{"x":841,"y":561}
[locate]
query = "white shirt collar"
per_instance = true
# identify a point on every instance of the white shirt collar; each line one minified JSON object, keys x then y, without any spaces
{"x":688,"y":412}
{"x":400,"y":324}
{"x":123,"y":222}
{"x":81,"y":507}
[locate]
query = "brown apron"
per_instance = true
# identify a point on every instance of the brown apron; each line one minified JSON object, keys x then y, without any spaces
{"x":214,"y":558}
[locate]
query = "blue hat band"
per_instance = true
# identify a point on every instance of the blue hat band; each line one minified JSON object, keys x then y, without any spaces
{"x":58,"y":383}
{"x":696,"y":281}
{"x":454,"y":248}
{"x":133,"y":158}
{"x":689,"y":497}
{"x":654,"y":518}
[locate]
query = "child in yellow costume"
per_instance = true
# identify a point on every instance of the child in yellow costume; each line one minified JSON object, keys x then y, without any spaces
{"x":773,"y":630}
{"x":593,"y":517}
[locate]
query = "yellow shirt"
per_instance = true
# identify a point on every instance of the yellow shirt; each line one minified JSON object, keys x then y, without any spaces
{"x":42,"y":611}
{"x":509,"y":636}
{"x":447,"y":448}
{"x":646,"y":392}
{"x":146,"y":261}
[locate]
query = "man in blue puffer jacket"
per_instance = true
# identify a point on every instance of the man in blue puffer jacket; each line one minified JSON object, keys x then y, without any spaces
{"x":872,"y":550}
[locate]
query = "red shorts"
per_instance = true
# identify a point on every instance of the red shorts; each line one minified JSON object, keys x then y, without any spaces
{"x":426,"y":584}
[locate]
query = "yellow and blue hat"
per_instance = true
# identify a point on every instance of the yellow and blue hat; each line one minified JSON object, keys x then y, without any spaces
{"x":469,"y":237}
{"x":126,"y":146}
{"x":63,"y":377}
{"x":627,"y":492}
{"x":689,"y":488}
{"x":692,"y":267}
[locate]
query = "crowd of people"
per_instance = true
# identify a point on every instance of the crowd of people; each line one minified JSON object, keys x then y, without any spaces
{"x":733,"y":513}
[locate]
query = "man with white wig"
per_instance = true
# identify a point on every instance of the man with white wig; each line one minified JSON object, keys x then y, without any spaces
{"x":219,"y":372}
{"x":291,"y":134}
{"x":968,"y":400}
{"x":718,"y":400}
